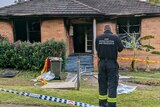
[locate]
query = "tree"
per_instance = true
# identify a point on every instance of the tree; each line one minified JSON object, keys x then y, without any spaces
{"x":133,"y":44}
{"x":154,"y":1}
{"x":18,"y":1}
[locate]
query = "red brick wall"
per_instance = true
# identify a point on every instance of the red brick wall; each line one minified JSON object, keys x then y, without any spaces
{"x":69,"y":42}
{"x":71,"y":47}
{"x":6,"y":30}
{"x":55,"y":29}
{"x":100,"y":27}
{"x":149,"y":26}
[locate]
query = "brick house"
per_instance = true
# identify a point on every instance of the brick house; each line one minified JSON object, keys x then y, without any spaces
{"x":78,"y":22}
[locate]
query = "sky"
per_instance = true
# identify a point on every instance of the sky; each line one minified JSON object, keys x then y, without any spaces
{"x":6,"y":2}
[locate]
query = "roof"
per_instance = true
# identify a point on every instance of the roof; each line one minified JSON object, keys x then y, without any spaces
{"x":122,"y":7}
{"x":80,"y":7}
{"x":48,"y":7}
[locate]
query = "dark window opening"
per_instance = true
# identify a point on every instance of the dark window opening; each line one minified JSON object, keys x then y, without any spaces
{"x":20,"y":30}
{"x":27,"y":30}
{"x":83,"y":38}
{"x":128,"y":26}
{"x":134,"y":29}
{"x":79,"y":38}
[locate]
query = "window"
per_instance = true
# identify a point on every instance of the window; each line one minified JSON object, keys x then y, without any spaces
{"x":128,"y":26}
{"x":27,"y":30}
{"x":34,"y":31}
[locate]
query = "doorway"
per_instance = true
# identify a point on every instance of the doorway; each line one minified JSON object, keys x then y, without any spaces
{"x":83,"y":38}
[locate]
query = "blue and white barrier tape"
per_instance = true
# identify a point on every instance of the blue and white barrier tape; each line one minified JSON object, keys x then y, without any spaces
{"x":49,"y":98}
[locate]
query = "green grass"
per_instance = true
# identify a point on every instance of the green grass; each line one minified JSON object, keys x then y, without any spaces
{"x":81,"y":95}
{"x":145,"y":78}
{"x":28,"y":74}
{"x":140,"y":98}
{"x":157,"y":75}
{"x":1,"y":71}
{"x":146,"y":81}
{"x":142,"y":74}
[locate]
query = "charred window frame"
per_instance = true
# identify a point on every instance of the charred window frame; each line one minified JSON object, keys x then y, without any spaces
{"x":27,"y":30}
{"x":128,"y":26}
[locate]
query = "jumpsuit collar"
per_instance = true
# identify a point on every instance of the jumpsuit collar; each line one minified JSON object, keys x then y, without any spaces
{"x":108,"y":32}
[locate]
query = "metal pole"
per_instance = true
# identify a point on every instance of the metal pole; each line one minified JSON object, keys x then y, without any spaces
{"x":94,"y":36}
{"x":78,"y":73}
{"x":27,"y":29}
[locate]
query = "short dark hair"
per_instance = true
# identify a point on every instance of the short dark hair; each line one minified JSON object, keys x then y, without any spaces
{"x":107,"y":27}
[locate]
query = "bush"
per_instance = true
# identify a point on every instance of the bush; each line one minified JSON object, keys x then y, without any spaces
{"x":6,"y":52}
{"x":27,"y":56}
{"x":3,"y":37}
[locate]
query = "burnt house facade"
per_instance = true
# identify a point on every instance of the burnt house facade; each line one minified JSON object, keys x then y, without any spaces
{"x":78,"y":22}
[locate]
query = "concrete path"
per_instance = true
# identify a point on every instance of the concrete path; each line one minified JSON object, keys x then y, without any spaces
{"x":60,"y":85}
{"x":69,"y":83}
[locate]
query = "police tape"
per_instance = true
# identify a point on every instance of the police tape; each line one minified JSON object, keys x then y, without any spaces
{"x":139,"y":60}
{"x":49,"y":98}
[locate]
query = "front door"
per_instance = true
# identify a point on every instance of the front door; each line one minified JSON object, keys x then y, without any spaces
{"x":83,"y":38}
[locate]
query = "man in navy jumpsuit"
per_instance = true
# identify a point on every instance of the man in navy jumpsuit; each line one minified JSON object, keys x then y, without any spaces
{"x":108,"y":46}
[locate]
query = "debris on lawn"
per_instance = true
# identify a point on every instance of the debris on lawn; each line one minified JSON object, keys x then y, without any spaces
{"x":122,"y":88}
{"x":47,"y":76}
{"x":125,"y":89}
{"x":9,"y":73}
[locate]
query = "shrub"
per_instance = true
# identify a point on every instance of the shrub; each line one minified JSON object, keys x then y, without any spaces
{"x":24,"y":55}
{"x":2,"y":37}
{"x":6,"y":52}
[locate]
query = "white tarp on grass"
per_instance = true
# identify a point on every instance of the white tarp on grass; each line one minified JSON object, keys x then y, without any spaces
{"x":122,"y":88}
{"x":125,"y":89}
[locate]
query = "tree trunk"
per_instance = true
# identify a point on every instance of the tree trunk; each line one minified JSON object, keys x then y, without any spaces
{"x":133,"y":63}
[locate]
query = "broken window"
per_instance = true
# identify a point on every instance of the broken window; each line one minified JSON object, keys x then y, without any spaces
{"x":128,"y":26}
{"x":27,"y":30}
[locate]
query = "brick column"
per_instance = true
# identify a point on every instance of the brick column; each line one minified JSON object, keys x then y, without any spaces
{"x":6,"y":30}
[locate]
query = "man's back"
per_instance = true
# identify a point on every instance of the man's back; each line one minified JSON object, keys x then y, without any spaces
{"x":108,"y":45}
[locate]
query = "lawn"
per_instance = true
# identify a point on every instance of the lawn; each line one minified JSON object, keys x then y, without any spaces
{"x":149,"y":97}
{"x":141,"y":73}
{"x":144,"y":78}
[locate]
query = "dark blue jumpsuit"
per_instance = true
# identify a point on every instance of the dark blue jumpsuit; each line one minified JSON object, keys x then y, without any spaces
{"x":108,"y":46}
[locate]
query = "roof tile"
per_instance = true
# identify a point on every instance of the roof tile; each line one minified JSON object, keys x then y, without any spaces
{"x":80,"y":7}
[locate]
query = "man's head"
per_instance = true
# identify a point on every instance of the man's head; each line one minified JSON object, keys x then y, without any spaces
{"x":107,"y":27}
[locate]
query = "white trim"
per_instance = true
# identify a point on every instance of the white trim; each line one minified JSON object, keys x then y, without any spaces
{"x":94,"y":36}
{"x":85,"y":41}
